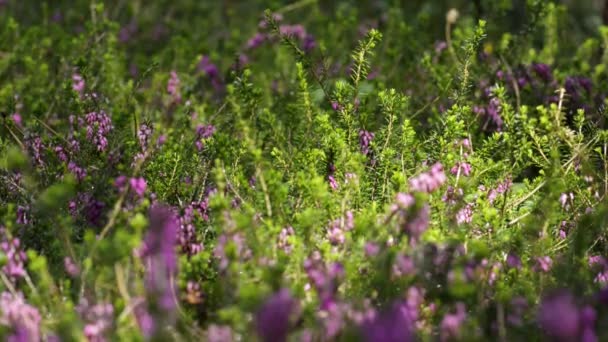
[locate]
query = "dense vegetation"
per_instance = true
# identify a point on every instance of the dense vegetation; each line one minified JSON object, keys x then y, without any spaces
{"x":308,"y":171}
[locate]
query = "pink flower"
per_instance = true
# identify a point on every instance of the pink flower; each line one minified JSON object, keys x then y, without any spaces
{"x":138,"y":185}
{"x":78,"y":83}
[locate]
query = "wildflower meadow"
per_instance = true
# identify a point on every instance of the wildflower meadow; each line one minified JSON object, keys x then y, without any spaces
{"x":305,"y":170}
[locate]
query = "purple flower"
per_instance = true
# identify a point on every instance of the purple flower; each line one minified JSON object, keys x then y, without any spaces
{"x":120,"y":182}
{"x":543,"y":264}
{"x":543,"y":71}
{"x":558,"y":317}
{"x":332,"y":182}
{"x":237,"y":240}
{"x":16,"y":117}
{"x":22,"y":214}
{"x":16,"y":257}
{"x":394,"y":325}
{"x":71,"y":268}
{"x":256,"y":41}
{"x":371,"y":249}
{"x":518,"y":307}
{"x":283,"y":240}
{"x":429,"y":181}
{"x":99,"y":319}
{"x":462,"y":167}
{"x":160,"y":259}
{"x":365,"y":138}
{"x":143,"y":135}
{"x":78,"y":83}
{"x":219,"y":333}
{"x":138,"y":185}
{"x":273,"y":318}
{"x":440,"y":46}
{"x":513,"y":260}
{"x":403,"y":266}
{"x":452,"y":322}
{"x":465,"y":215}
{"x":98,"y":127}
{"x":77,"y":171}
{"x":173,"y":86}
{"x":566,"y":199}
{"x":22,"y":318}
{"x":417,"y":225}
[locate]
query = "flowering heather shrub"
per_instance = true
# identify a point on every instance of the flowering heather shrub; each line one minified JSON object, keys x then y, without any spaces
{"x":303,"y":171}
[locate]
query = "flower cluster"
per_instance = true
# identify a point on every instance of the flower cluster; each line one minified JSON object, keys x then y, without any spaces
{"x":98,"y":126}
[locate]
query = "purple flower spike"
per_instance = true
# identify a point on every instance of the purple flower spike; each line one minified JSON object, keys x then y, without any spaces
{"x":273,"y":319}
{"x":394,"y":325}
{"x":543,"y":71}
{"x":558,"y":317}
{"x":138,"y":185}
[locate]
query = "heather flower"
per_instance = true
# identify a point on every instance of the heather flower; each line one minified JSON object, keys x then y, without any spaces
{"x":22,"y":214}
{"x":543,"y":71}
{"x":143,"y":135}
{"x":78,"y":83}
{"x":324,"y":278}
{"x":440,"y":46}
{"x":566,"y":200}
{"x":71,"y":268}
{"x":463,"y":168}
{"x":309,"y":43}
{"x":138,"y":185}
{"x":332,"y":182}
{"x":371,"y":249}
{"x":403,"y":265}
{"x":256,"y":41}
{"x":493,"y":114}
{"x":16,"y":117}
{"x":98,"y":319}
{"x":77,"y":171}
{"x":417,"y":225}
{"x":452,"y":323}
{"x":219,"y":333}
{"x":365,"y":139}
{"x":173,"y":87}
{"x":61,"y":154}
{"x":296,"y":31}
{"x":284,"y":237}
{"x":429,"y":181}
{"x":98,"y":127}
{"x":273,"y":318}
{"x":35,"y":148}
{"x":242,"y":252}
{"x":212,"y":71}
{"x":15,"y":256}
{"x":187,"y":237}
{"x":501,"y":188}
{"x":465,"y":215}
{"x":203,"y":132}
{"x":403,"y":201}
{"x":391,"y":326}
{"x":558,"y":317}
{"x":588,"y":316}
{"x":335,"y":235}
{"x":543,"y":264}
{"x":513,"y":260}
{"x":160,"y":259}
{"x":452,"y":195}
{"x":120,"y":182}
{"x":518,"y":306}
{"x":23,"y":319}
{"x":161,"y":140}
